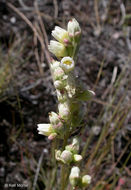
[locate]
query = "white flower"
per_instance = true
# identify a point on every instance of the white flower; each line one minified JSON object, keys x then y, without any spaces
{"x":62,"y":97}
{"x":74,"y":176}
{"x":60,"y":34}
{"x":74,"y":146}
{"x":73,"y":27}
{"x":59,"y":84}
{"x":64,"y":110}
{"x":86,"y":179}
{"x":75,"y":143}
{"x":44,"y":129}
{"x":66,"y":157}
{"x":75,"y":172}
{"x":54,"y":65}
{"x":54,"y":118}
{"x":67,"y":63}
{"x":58,"y":49}
{"x":77,"y":157}
{"x":58,"y":154}
{"x":58,"y":73}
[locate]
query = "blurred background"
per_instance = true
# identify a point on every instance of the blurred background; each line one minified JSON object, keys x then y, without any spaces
{"x":27,"y":93}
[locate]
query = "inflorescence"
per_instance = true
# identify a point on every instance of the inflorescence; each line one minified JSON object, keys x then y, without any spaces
{"x":70,"y":94}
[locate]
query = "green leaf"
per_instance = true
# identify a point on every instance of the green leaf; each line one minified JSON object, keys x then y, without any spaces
{"x":85,"y":95}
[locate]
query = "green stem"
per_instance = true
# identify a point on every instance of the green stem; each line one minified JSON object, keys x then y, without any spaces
{"x":55,"y":143}
{"x":62,"y":177}
{"x":64,"y":168}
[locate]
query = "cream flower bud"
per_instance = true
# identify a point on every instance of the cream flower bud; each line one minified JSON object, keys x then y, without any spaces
{"x":62,"y":97}
{"x":64,"y":111}
{"x":54,"y":65}
{"x":58,"y":73}
{"x":66,"y":157}
{"x":57,"y":155}
{"x":74,"y":176}
{"x":77,"y":157}
{"x":52,"y":136}
{"x":74,"y":147}
{"x":73,"y":27}
{"x":91,"y":92}
{"x":67,"y":63}
{"x":57,"y":124}
{"x":59,"y":84}
{"x":44,"y":129}
{"x":57,"y":49}
{"x":75,"y":144}
{"x":86,"y":179}
{"x":60,"y":34}
{"x":54,"y":118}
{"x":75,"y":141}
{"x":58,"y":128}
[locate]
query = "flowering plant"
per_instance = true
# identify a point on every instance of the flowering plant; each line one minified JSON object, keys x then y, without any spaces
{"x":70,"y":94}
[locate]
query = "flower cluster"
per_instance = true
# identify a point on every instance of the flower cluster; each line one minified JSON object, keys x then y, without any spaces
{"x":70,"y":154}
{"x":70,"y":93}
{"x":67,"y":41}
{"x":77,"y":180}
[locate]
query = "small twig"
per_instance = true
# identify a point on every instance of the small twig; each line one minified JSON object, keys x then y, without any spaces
{"x":106,"y":12}
{"x":112,"y":149}
{"x":111,"y":84}
{"x":38,"y":170}
{"x":22,"y":160}
{"x":114,"y":75}
{"x":41,"y":23}
{"x":104,"y":132}
{"x":102,"y":102}
{"x":102,"y":64}
{"x":26,"y":88}
{"x":128,"y":41}
{"x":27,"y":21}
{"x":23,"y":5}
{"x":123,"y":12}
{"x":43,"y":31}
{"x":37,"y":55}
{"x":33,"y":28}
{"x":119,"y":158}
{"x":97,"y":13}
{"x":128,"y":171}
{"x":42,"y":56}
{"x":56,"y":9}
